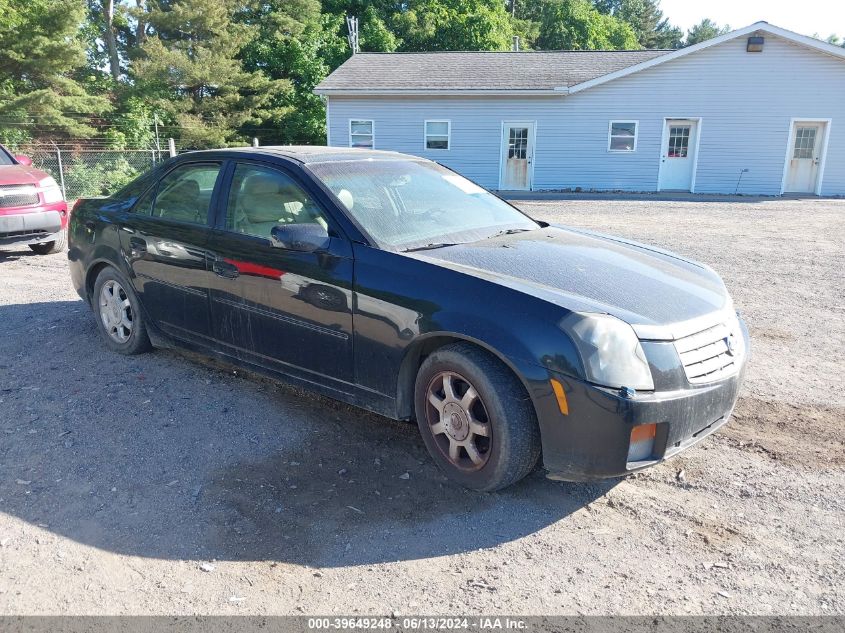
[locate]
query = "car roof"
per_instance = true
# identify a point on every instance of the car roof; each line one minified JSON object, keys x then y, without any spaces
{"x":315,"y":153}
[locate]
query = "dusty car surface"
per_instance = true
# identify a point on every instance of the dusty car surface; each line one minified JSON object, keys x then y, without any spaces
{"x":392,"y":283}
{"x":32,"y":209}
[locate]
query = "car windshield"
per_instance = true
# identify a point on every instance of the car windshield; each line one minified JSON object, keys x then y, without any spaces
{"x":408,"y":204}
{"x":6,"y":157}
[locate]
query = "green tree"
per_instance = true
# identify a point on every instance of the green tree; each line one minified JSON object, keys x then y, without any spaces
{"x":301,"y":46}
{"x":832,"y":39}
{"x":646,"y":18}
{"x":453,"y":25}
{"x":705,"y":30}
{"x":577,"y":25}
{"x":374,"y":34}
{"x":40,"y":50}
{"x":303,"y":53}
{"x":190,"y":70}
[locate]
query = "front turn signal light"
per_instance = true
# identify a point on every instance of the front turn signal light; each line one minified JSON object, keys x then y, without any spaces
{"x":560,"y":395}
{"x":642,"y":442}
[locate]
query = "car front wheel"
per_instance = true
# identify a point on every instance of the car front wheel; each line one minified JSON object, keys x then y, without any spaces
{"x":475,"y":418}
{"x":118,"y":314}
{"x":48,"y":248}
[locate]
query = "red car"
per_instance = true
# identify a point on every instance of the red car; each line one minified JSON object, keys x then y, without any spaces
{"x":32,"y":208}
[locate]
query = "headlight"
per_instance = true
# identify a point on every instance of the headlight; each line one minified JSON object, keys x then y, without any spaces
{"x":50,"y":190}
{"x":610,"y":351}
{"x":51,"y":195}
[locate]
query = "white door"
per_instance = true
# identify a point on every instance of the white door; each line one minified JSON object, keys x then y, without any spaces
{"x":517,"y":156}
{"x":677,"y":160}
{"x":805,"y":148}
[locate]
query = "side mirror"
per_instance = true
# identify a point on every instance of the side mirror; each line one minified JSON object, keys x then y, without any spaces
{"x":305,"y":238}
{"x":26,"y":161}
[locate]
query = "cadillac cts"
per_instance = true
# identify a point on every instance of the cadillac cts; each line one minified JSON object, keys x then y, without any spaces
{"x":392,"y":283}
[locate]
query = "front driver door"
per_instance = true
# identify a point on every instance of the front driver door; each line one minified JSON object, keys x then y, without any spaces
{"x":164,"y":239}
{"x":285,"y":309}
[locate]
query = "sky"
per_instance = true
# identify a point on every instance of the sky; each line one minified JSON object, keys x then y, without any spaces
{"x":806,"y":17}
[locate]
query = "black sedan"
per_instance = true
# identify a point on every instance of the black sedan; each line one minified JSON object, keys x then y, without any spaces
{"x":392,"y":283}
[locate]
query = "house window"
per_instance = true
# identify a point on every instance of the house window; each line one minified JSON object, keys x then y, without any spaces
{"x":437,"y":134}
{"x":361,"y":133}
{"x":622,"y":136}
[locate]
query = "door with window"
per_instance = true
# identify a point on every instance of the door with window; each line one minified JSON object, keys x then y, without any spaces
{"x":804,"y":155}
{"x":677,"y":160}
{"x":164,"y":238}
{"x":517,"y":156}
{"x":275,"y":306}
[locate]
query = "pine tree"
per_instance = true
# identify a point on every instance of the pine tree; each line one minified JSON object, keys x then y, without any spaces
{"x":190,"y":69}
{"x":39,"y":53}
{"x":705,"y":30}
{"x":646,"y":18}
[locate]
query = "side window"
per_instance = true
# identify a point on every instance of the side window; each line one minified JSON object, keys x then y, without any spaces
{"x":184,"y":194}
{"x":262,"y":198}
{"x":128,"y":196}
{"x":144,"y":205}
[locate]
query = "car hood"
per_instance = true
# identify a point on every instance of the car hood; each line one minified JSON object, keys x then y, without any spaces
{"x":20,"y":175}
{"x":590,"y":272}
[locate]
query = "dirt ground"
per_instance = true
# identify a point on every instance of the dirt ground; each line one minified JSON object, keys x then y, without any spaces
{"x":167,"y":484}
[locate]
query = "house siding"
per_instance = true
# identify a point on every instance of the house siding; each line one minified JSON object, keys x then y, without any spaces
{"x":745,"y":102}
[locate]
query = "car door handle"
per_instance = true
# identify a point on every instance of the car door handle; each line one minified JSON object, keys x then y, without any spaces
{"x":222,"y":268}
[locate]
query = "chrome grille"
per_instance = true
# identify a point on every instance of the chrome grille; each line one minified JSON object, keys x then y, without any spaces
{"x":706,"y":355}
{"x":17,"y":196}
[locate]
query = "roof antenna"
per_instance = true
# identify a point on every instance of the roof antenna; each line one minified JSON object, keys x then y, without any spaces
{"x":352,"y":37}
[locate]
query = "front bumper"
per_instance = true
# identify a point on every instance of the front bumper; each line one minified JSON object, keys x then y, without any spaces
{"x":593,"y":440}
{"x":34,"y":225}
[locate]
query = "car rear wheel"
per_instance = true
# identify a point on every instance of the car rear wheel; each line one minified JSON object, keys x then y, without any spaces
{"x":475,"y":418}
{"x":118,"y":314}
{"x":49,"y":248}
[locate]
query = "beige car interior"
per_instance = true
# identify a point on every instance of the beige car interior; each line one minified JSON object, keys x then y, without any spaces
{"x":181,"y":202}
{"x":264,"y":200}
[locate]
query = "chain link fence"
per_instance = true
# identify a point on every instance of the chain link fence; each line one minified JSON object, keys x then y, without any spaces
{"x":84,"y":172}
{"x":92,"y":172}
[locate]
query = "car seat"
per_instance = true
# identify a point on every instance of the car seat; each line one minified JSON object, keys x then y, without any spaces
{"x":181,"y":202}
{"x":267,"y":200}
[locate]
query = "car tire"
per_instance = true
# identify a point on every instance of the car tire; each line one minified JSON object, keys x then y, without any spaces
{"x":118,"y":314}
{"x":49,"y":248}
{"x":494,"y":427}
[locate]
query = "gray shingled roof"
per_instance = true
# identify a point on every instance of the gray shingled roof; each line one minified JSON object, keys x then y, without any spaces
{"x":433,"y":72}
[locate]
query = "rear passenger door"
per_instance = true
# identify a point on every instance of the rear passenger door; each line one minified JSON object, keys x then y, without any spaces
{"x":285,"y":309}
{"x":164,"y":240}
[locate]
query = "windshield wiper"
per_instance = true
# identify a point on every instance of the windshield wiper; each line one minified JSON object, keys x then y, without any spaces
{"x":429,"y":247}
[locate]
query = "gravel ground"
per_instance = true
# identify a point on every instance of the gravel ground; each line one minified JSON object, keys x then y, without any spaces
{"x":169,"y":484}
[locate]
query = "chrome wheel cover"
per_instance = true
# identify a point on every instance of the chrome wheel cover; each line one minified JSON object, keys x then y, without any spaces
{"x":458,"y":421}
{"x":116,"y":311}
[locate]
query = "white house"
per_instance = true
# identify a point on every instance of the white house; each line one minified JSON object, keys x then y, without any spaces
{"x":760,"y":110}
